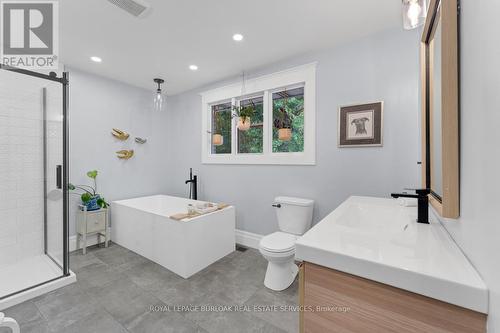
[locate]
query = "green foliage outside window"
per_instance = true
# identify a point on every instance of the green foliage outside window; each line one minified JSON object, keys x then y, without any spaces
{"x":221,"y":124}
{"x":251,"y":141}
{"x":294,"y":107}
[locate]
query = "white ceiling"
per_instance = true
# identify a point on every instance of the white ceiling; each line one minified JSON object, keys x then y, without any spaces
{"x":179,"y":33}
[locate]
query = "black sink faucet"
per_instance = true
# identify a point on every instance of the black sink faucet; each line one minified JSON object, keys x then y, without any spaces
{"x":193,"y":185}
{"x":422,"y":196}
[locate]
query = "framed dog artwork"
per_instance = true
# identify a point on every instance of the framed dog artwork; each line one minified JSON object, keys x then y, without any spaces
{"x":360,"y":125}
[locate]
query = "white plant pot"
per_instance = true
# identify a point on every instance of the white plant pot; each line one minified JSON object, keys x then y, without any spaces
{"x":217,"y":140}
{"x":285,"y":134}
{"x":244,"y":125}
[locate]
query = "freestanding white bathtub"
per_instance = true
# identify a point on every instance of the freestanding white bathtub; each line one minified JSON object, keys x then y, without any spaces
{"x":185,"y":247}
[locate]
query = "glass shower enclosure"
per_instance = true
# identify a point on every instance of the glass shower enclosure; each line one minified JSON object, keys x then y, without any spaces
{"x":33,"y":182}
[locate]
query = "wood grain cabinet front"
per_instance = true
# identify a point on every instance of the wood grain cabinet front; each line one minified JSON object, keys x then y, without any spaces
{"x":334,"y":301}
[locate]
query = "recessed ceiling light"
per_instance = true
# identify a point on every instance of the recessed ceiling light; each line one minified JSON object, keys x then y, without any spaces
{"x":238,"y":37}
{"x":193,"y":67}
{"x":96,"y":59}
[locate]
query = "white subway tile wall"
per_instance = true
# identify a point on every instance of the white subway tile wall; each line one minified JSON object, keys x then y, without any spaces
{"x":21,"y":164}
{"x":54,"y":158}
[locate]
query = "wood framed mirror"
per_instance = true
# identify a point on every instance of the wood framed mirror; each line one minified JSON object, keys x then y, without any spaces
{"x":440,"y":107}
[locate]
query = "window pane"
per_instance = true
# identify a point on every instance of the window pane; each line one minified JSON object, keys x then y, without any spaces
{"x":288,"y":121}
{"x":251,"y":140}
{"x":221,"y":128}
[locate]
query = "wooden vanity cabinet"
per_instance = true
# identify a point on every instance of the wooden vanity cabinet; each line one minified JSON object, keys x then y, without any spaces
{"x":354,"y":304}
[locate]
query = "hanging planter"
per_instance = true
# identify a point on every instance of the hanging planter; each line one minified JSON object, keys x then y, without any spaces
{"x":283,"y":124}
{"x":244,"y":114}
{"x":217,"y":140}
{"x":285,"y":134}
{"x":244,"y":123}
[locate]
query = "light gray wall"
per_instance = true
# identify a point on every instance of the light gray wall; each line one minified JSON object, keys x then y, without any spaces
{"x":478,"y":229}
{"x":96,"y":106}
{"x":382,"y":67}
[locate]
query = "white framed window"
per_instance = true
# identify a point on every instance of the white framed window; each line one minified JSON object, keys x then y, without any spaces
{"x":282,"y":129}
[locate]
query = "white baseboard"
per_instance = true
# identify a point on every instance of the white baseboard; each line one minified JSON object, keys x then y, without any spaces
{"x":244,"y":238}
{"x":248,"y":239}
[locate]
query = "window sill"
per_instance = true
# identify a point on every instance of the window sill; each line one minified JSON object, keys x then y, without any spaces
{"x":256,"y":159}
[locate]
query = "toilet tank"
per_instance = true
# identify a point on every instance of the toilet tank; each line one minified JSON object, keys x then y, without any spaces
{"x":294,"y":214}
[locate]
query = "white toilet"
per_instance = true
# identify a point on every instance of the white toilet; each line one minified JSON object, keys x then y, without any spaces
{"x":294,"y":219}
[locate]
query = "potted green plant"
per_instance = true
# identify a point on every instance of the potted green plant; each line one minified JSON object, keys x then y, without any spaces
{"x":217,"y":138}
{"x":245,"y":114}
{"x":88,"y":194}
{"x":283,"y":123}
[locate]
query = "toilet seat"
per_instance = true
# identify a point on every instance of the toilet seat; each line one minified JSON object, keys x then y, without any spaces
{"x":280,"y":256}
{"x":278,"y":242}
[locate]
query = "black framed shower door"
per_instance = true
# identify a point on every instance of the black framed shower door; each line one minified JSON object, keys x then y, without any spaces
{"x":52,"y":179}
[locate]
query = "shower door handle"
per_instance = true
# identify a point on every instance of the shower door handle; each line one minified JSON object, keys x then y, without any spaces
{"x":59,"y":176}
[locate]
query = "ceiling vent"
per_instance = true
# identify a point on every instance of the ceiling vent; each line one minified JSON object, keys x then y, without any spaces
{"x":137,"y":8}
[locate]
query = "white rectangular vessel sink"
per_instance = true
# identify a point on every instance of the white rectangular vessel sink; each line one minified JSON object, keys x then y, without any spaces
{"x":380,"y":240}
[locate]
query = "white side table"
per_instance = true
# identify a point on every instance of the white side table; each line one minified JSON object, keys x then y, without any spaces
{"x":90,"y":223}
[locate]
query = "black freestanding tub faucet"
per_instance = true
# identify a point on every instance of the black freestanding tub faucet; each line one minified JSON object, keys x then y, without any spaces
{"x":422,"y":196}
{"x":193,"y":185}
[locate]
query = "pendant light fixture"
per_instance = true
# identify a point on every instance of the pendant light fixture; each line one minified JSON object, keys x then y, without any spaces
{"x":159,"y":98}
{"x":414,"y":13}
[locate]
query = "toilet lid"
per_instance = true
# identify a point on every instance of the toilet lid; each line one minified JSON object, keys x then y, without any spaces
{"x":278,"y":242}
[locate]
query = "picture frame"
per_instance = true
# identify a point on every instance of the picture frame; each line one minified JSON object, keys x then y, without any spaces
{"x":360,"y":125}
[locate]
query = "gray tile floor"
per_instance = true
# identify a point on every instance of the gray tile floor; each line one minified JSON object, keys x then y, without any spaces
{"x":117,"y":288}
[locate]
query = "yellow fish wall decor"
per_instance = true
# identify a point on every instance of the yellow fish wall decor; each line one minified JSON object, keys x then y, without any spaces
{"x":125,"y":154}
{"x":119,"y":134}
